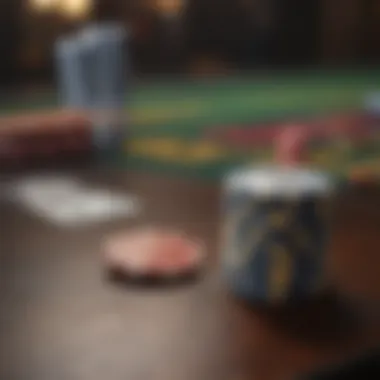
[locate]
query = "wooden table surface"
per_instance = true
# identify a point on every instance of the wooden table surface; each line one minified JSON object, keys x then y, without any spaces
{"x":60,"y":318}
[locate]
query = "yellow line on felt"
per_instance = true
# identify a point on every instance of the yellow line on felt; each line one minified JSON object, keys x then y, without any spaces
{"x":371,"y":165}
{"x":159,"y":114}
{"x":177,"y":150}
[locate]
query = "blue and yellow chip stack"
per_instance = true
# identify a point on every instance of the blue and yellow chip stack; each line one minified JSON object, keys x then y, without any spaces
{"x":277,"y":223}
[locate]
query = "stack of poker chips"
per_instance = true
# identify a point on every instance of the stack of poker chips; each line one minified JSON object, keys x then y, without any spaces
{"x":91,"y":68}
{"x":153,"y":255}
{"x":277,"y":227}
{"x":40,"y":139}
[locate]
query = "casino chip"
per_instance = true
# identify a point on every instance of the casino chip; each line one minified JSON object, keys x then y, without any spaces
{"x":291,"y":145}
{"x":153,"y":254}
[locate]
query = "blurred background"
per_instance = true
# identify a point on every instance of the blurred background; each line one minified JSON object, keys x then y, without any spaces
{"x":196,"y":36}
{"x":310,"y":68}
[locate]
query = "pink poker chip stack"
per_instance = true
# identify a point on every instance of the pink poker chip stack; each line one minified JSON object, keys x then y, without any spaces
{"x":153,"y":253}
{"x":291,"y":145}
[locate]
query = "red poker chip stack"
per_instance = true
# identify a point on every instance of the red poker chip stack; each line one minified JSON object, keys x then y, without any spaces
{"x":153,"y":254}
{"x":43,"y":138}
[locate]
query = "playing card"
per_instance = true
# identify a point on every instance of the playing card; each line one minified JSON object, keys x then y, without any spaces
{"x":52,"y":187}
{"x":68,"y":202}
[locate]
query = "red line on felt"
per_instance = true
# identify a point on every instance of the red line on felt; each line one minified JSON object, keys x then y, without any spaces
{"x":356,"y":127}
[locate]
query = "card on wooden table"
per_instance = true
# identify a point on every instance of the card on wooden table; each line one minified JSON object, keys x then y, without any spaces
{"x":71,"y":203}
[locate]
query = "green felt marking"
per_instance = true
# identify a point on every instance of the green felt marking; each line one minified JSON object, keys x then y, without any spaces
{"x":185,"y":110}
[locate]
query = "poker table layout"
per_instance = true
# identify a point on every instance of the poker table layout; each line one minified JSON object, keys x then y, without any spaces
{"x":202,"y":128}
{"x":61,"y":319}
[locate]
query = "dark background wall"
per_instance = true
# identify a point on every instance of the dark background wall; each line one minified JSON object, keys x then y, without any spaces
{"x":299,"y":31}
{"x":9,"y":39}
{"x":233,"y":34}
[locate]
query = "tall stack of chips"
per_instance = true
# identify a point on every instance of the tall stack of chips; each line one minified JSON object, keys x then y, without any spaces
{"x":92,"y":69}
{"x":72,"y":92}
{"x":277,"y":222}
{"x":276,"y":232}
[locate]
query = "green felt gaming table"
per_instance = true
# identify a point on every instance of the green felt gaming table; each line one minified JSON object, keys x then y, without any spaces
{"x":182,"y":125}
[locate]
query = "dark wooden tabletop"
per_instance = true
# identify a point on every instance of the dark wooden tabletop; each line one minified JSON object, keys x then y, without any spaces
{"x":61,"y":319}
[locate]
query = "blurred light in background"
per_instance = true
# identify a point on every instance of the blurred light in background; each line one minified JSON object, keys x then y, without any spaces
{"x":75,"y":8}
{"x":69,"y":8}
{"x":43,"y":5}
{"x":169,"y":8}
